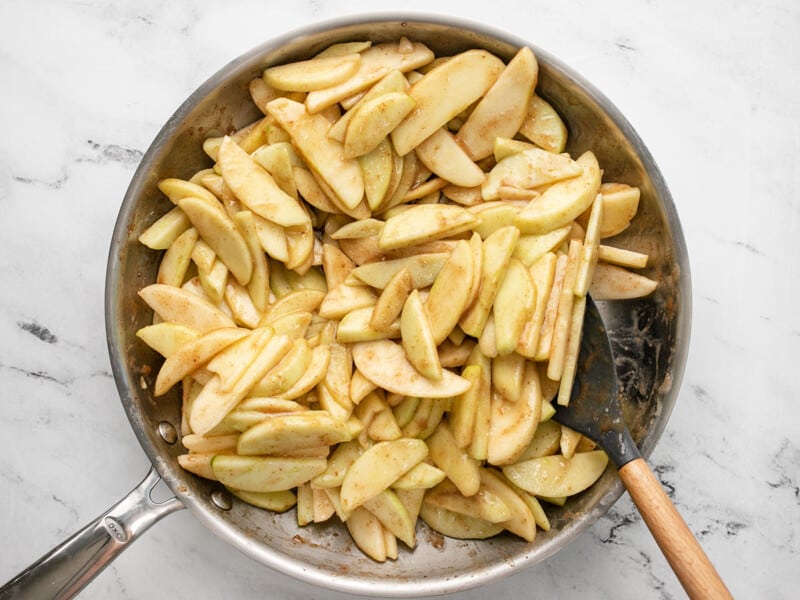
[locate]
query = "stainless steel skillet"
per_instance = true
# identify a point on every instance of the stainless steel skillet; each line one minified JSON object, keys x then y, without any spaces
{"x":650,"y":339}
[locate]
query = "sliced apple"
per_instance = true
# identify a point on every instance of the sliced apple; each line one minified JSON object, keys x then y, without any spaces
{"x":391,"y":301}
{"x":346,"y":298}
{"x":502,"y":110}
{"x":165,"y":230}
{"x":275,"y":501}
{"x":422,"y":269}
{"x":417,"y":338}
{"x":459,"y":467}
{"x":543,"y":126}
{"x":256,"y":188}
{"x":368,"y":533}
{"x":563,"y":201}
{"x":455,"y":525}
{"x":281,"y":433}
{"x":530,"y":248}
{"x":450,"y":292}
{"x":542,"y":274}
{"x":183,"y":307}
{"x":384,"y":363}
{"x":424,"y":222}
{"x":529,"y":169}
{"x":443,"y":92}
{"x":339,"y":462}
{"x":555,"y":476}
{"x":393,"y":515}
{"x":622,"y":257}
{"x":376,"y":62}
{"x":442,"y":154}
{"x":611,"y":282}
{"x":287,"y":372}
{"x":314,"y":373}
{"x":484,"y":504}
{"x":178,"y":189}
{"x":198,"y":463}
{"x":265,"y":473}
{"x":373,"y":120}
{"x":377,"y":167}
{"x":167,"y":338}
{"x":479,"y":446}
{"x":465,"y":406}
{"x":314,"y":74}
{"x":522,"y":522}
{"x":423,"y":476}
{"x":378,"y":467}
{"x":356,"y":326}
{"x":513,"y":424}
{"x":513,"y":306}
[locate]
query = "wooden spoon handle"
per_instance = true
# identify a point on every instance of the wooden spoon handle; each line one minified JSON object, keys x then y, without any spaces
{"x":677,"y":542}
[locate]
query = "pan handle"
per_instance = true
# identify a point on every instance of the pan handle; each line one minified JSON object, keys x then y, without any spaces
{"x":69,"y":567}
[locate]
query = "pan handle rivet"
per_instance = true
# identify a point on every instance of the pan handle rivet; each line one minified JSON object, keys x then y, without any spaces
{"x":221,"y":499}
{"x":167,"y":432}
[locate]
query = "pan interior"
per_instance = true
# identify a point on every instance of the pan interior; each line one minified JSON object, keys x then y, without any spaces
{"x":649,"y":336}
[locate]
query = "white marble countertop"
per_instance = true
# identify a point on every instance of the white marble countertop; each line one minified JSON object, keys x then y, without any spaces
{"x":713,"y":91}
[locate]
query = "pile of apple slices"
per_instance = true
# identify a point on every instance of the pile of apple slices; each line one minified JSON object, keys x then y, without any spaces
{"x":372,"y":297}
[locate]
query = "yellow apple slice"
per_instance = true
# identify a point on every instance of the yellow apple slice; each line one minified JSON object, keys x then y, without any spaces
{"x":232,"y":361}
{"x":494,"y":215}
{"x":373,"y":120}
{"x":590,"y":252}
{"x":611,"y":282}
{"x":210,"y":443}
{"x":183,"y":307}
{"x":423,"y":476}
{"x":507,"y":375}
{"x":315,"y":372}
{"x":281,"y":433}
{"x":522,"y":523}
{"x":566,"y":302}
{"x":442,"y":154}
{"x":555,"y":475}
{"x":161,"y":234}
{"x":178,"y":189}
{"x":385,"y":364}
{"x":504,"y":147}
{"x":391,"y":301}
{"x":424,"y":222}
{"x":546,"y":441}
{"x":344,"y":48}
{"x":464,"y":409}
{"x":258,"y":285}
{"x":417,"y":338}
{"x":265,"y":473}
{"x":279,"y":160}
{"x":219,"y":232}
{"x":275,"y":501}
{"x":530,"y":248}
{"x":167,"y":338}
{"x":422,"y":269}
{"x":513,"y":424}
{"x":241,"y":304}
{"x":256,"y":188}
{"x":339,"y":462}
{"x":460,"y":468}
{"x":377,"y":167}
{"x":513,"y":306}
{"x":563,"y":201}
{"x":193,"y":355}
{"x":497,"y":251}
{"x":287,"y":372}
{"x":543,"y":126}
{"x":393,"y":515}
{"x":502,"y":110}
{"x":356,"y":326}
{"x":393,"y":82}
{"x":358,"y":229}
{"x":620,"y":204}
{"x":484,"y":504}
{"x":376,"y":63}
{"x":443,"y":92}
{"x":378,"y":467}
{"x":368,"y":533}
{"x":212,"y":404}
{"x":529,"y":169}
{"x":450,"y":292}
{"x":542,"y":274}
{"x":479,"y":446}
{"x":324,"y":156}
{"x":455,"y":525}
{"x":304,"y":300}
{"x":346,"y":298}
{"x":313,"y":74}
{"x":622,"y":257}
{"x":551,"y":309}
{"x":199,"y":464}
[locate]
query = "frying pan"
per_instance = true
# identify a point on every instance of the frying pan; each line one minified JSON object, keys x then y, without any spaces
{"x":649,"y":337}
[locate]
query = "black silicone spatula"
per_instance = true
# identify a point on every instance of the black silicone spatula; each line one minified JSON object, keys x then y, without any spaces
{"x":595,"y":412}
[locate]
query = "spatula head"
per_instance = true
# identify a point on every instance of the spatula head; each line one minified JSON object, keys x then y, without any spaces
{"x":594,"y":408}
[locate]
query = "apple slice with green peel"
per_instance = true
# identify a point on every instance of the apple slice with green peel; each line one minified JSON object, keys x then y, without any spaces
{"x":373,"y":120}
{"x":167,"y":338}
{"x":529,"y":169}
{"x":497,"y":251}
{"x":459,"y":467}
{"x":422,"y":268}
{"x":219,"y":232}
{"x":376,"y":62}
{"x":198,"y":463}
{"x":502,"y":110}
{"x":339,"y":462}
{"x":256,"y":188}
{"x":513,"y":424}
{"x":543,"y":126}
{"x":393,"y":82}
{"x":378,"y":467}
{"x":457,"y":525}
{"x":417,"y":338}
{"x":183,"y":307}
{"x":393,"y":516}
{"x":193,"y":355}
{"x":313,"y":74}
{"x":442,"y":155}
{"x":377,"y":167}
{"x":546,"y":441}
{"x":290,"y":431}
{"x":314,"y":373}
{"x":443,"y":92}
{"x":385,"y":364}
{"x":513,"y":306}
{"x":423,"y":223}
{"x":450,"y":292}
{"x":563,"y":201}
{"x":324,"y":156}
{"x":287,"y":372}
{"x":265,"y":473}
{"x":161,"y":234}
